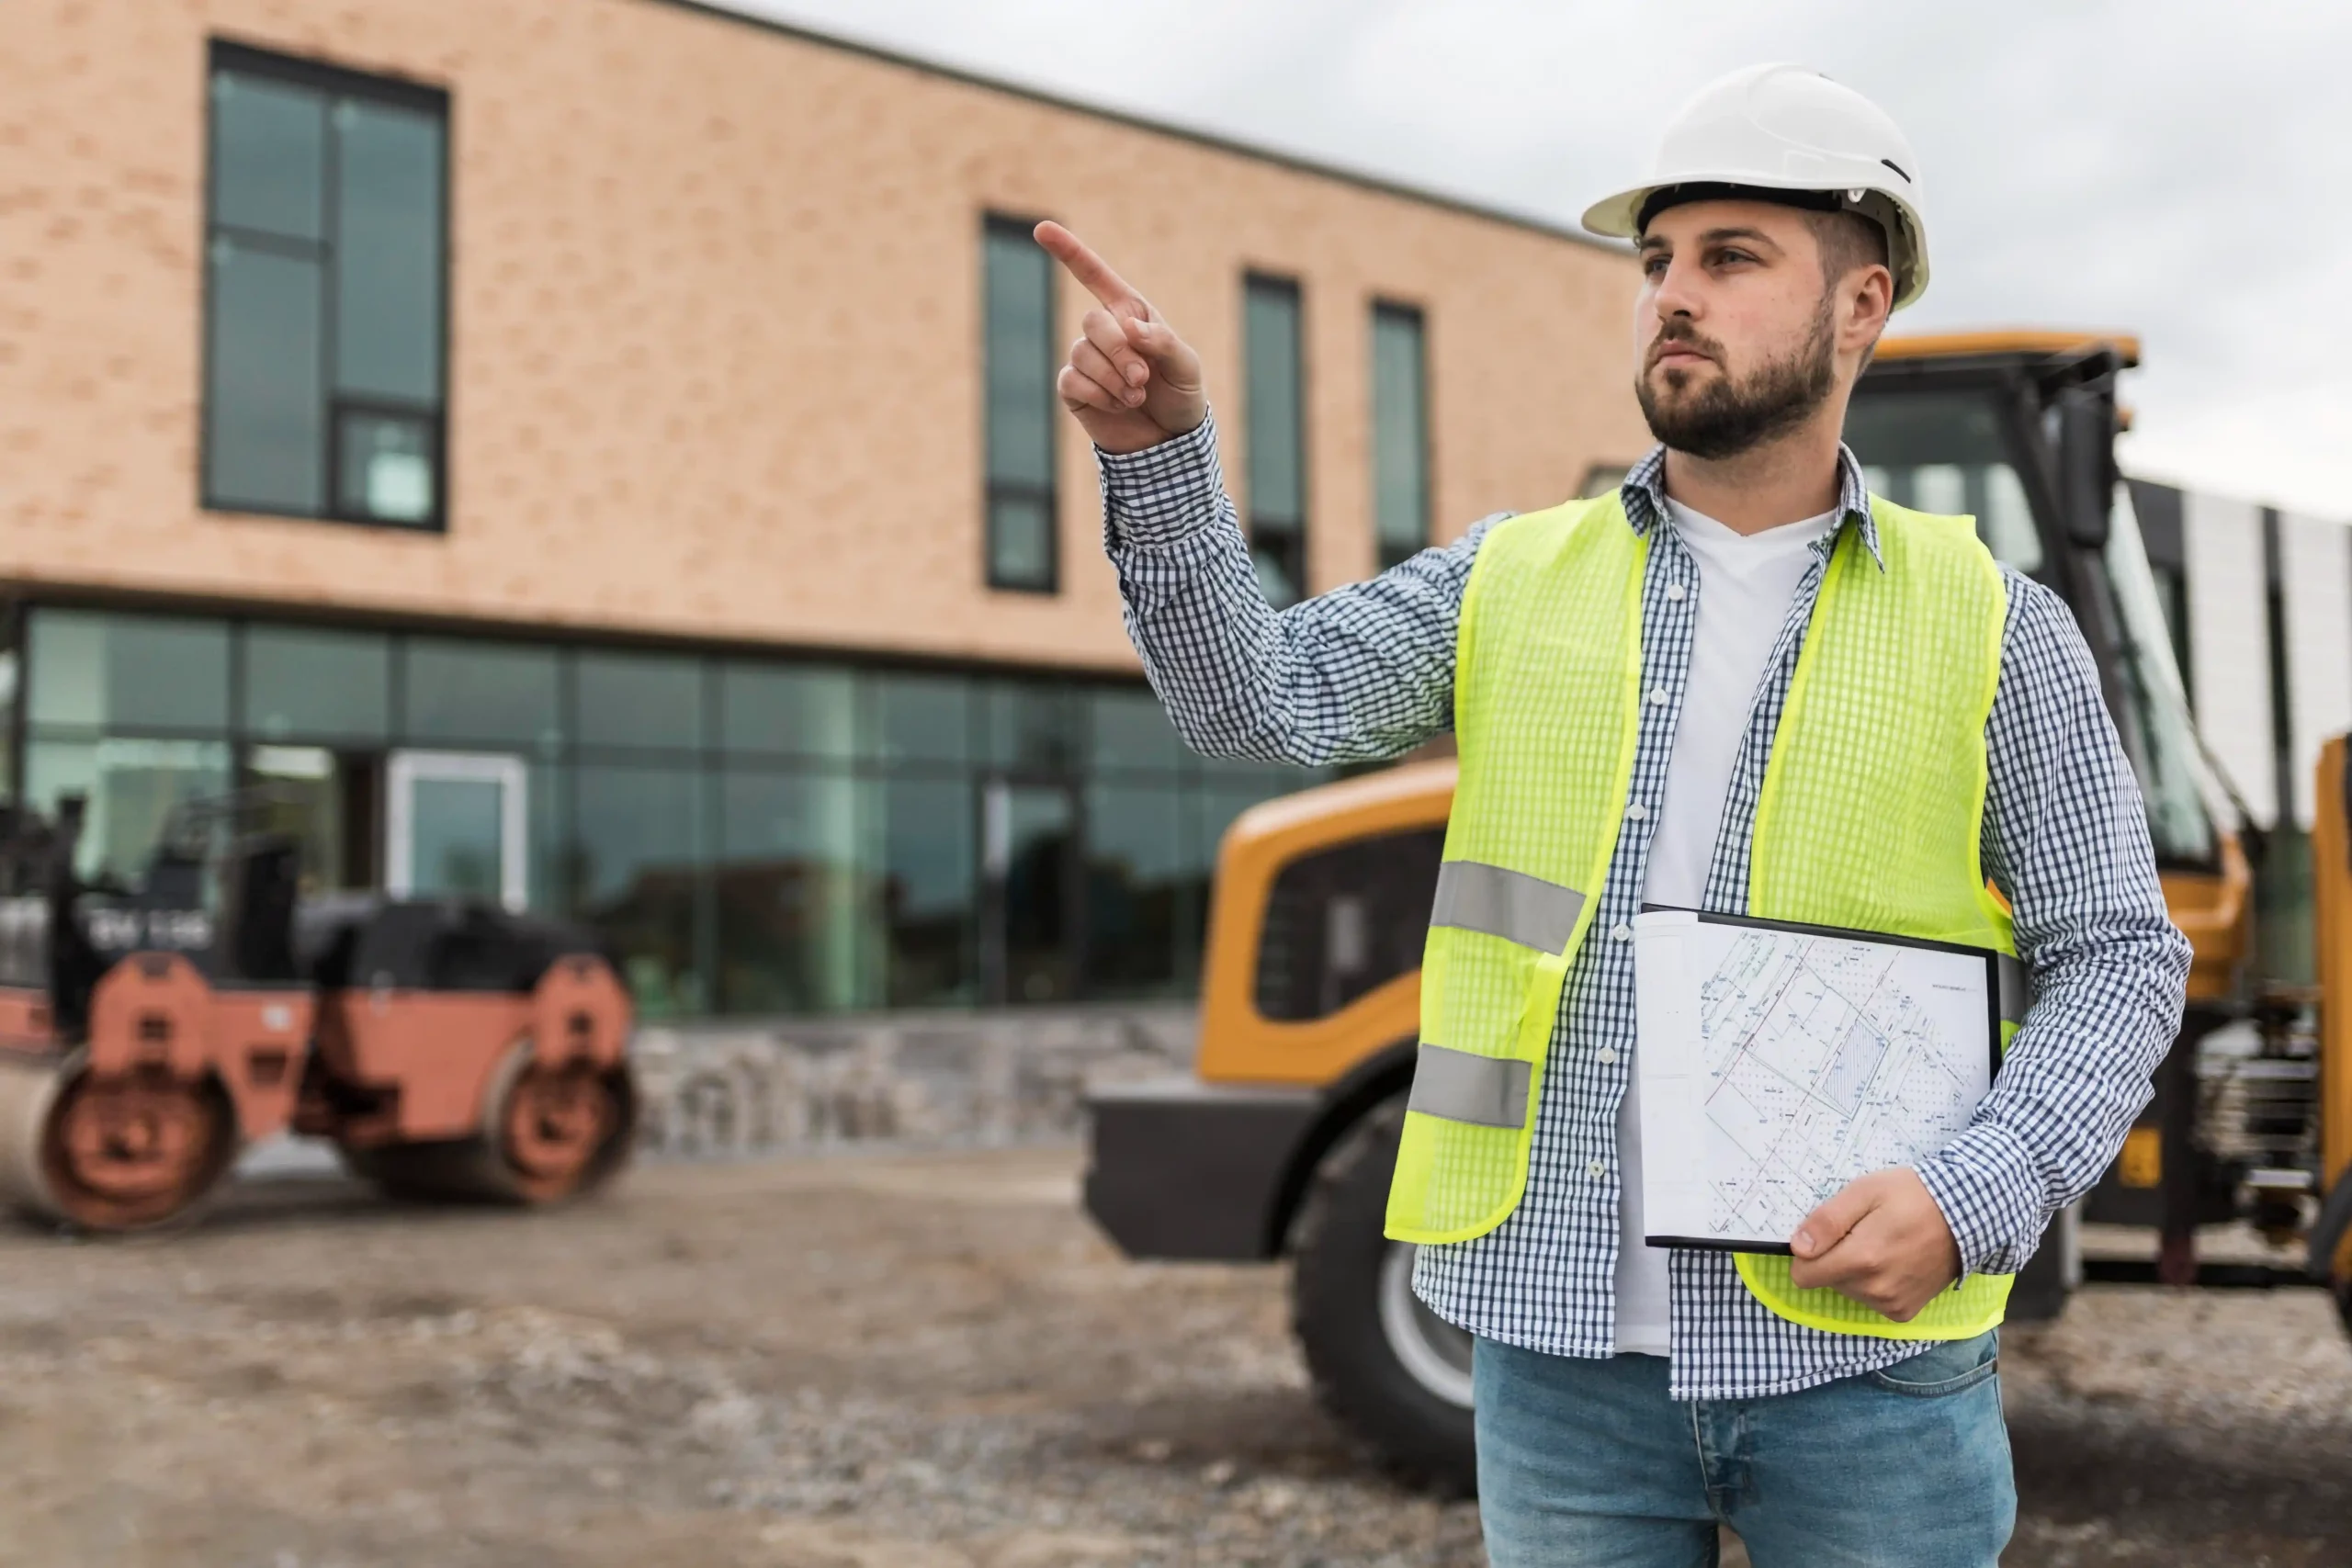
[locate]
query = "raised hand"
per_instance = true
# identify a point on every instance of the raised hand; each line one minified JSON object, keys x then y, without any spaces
{"x":1130,"y":383}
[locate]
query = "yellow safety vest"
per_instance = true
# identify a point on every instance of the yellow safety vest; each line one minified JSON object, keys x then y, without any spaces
{"x":1872,"y":798}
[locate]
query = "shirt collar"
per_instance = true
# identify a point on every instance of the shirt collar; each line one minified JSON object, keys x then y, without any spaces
{"x":1644,"y":493}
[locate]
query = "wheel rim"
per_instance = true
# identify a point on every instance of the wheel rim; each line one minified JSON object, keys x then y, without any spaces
{"x":1433,"y":1352}
{"x":557,"y":1123}
{"x":127,"y":1152}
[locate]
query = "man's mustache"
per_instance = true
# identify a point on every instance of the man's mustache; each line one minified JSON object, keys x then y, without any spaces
{"x":1685,"y":338}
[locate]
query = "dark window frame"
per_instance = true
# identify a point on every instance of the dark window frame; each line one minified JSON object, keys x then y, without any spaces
{"x":1295,"y":549}
{"x":1385,"y":308}
{"x":996,"y":224}
{"x":329,"y":81}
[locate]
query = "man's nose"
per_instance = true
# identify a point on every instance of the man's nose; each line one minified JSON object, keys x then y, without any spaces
{"x":1677,"y":292}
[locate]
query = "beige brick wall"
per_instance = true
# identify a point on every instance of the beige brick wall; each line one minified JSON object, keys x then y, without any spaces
{"x":714,"y":326}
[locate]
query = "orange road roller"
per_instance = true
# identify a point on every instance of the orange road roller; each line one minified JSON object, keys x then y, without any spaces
{"x":448,"y":1048}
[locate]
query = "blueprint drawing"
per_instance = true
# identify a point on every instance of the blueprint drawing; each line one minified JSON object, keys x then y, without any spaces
{"x":1822,"y":1059}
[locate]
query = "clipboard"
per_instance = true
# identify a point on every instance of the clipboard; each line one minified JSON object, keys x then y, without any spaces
{"x":1780,"y":1061}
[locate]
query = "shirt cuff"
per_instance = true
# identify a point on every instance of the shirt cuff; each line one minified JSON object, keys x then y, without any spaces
{"x":1164,"y":493}
{"x":1991,"y":1195}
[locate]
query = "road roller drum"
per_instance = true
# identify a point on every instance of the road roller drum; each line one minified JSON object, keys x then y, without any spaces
{"x":109,"y":1154}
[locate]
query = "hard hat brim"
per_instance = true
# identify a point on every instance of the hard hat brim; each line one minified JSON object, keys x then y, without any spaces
{"x":1617,"y":217}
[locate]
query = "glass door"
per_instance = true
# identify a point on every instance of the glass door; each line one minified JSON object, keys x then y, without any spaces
{"x":1029,"y":859}
{"x":455,"y":827}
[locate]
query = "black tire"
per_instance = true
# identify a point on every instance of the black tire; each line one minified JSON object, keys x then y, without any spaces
{"x":1419,"y":1420}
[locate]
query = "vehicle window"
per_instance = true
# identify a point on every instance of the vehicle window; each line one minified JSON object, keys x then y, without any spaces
{"x":2179,"y":787}
{"x":1943,"y":452}
{"x":1344,"y":920}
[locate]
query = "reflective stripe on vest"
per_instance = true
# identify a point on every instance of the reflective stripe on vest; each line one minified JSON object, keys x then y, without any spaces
{"x":1505,"y":903}
{"x":1872,"y":796}
{"x":1489,"y":1091}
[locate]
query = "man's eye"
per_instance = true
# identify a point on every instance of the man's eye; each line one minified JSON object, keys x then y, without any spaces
{"x":1729,"y":255}
{"x":1653,"y":265}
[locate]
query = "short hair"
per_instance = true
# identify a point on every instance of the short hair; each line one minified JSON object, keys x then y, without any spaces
{"x":1847,"y":240}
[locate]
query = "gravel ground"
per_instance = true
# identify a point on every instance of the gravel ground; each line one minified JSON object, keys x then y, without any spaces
{"x":917,"y":1361}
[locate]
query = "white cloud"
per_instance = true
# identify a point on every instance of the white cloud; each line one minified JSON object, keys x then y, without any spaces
{"x":2174,"y":168}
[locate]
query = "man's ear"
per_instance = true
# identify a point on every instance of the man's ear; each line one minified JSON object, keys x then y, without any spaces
{"x":1869,"y":299}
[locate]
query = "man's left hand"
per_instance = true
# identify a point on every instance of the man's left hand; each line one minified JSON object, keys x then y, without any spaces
{"x":1880,"y":1241}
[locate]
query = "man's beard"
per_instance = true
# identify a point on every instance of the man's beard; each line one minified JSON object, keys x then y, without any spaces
{"x":1725,"y":418}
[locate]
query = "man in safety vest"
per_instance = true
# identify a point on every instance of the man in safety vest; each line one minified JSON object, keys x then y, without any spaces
{"x":1739,"y":682}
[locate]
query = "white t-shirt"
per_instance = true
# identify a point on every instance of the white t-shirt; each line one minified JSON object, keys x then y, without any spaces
{"x":1745,"y":583}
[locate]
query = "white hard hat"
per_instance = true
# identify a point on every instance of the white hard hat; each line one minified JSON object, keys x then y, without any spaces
{"x":1786,"y":129}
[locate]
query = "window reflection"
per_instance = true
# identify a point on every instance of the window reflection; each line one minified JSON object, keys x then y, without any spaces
{"x":795,"y":895}
{"x":924,"y":719}
{"x":1141,"y":893}
{"x":304,"y":797}
{"x":640,"y":700}
{"x":317,"y":684}
{"x":1033,"y":726}
{"x":486,"y":694}
{"x":1128,"y":728}
{"x":2175,"y":784}
{"x":131,"y":786}
{"x":926,"y":894}
{"x":93,"y":671}
{"x":635,"y":870}
{"x":794,"y":712}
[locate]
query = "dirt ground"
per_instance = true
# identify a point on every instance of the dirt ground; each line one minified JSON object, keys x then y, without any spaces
{"x":917,"y":1361}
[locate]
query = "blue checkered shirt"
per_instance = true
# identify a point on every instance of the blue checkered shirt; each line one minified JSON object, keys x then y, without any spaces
{"x":1366,"y":673}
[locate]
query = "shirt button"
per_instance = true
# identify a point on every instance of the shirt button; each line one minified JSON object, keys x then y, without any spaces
{"x":1621,"y":931}
{"x":1638,"y":812}
{"x":1597,"y":1169}
{"x":1658,"y":696}
{"x":1608,"y":1055}
{"x":1675,"y":592}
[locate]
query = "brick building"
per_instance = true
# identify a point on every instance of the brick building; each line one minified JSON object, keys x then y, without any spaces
{"x":601,"y":454}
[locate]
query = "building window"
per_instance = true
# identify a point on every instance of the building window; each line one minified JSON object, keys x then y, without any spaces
{"x":1401,"y":433}
{"x":325,"y":296}
{"x":1274,"y":386}
{"x":1017,"y":281}
{"x":744,"y":835}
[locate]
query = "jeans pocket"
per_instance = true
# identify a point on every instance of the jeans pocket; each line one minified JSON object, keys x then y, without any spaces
{"x":1941,"y":1370}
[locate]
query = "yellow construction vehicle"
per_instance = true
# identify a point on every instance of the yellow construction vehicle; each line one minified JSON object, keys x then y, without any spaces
{"x":1280,"y":1143}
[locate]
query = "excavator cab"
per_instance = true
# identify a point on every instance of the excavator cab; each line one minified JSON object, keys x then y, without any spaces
{"x":2017,"y":430}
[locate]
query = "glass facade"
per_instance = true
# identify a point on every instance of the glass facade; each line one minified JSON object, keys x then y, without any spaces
{"x":750,"y":836}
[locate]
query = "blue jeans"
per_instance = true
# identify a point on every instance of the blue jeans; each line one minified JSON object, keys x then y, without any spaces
{"x":1589,"y":1463}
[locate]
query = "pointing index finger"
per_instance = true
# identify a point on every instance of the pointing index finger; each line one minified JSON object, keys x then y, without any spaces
{"x":1091,"y":270}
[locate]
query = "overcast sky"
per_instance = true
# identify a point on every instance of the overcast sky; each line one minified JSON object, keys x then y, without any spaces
{"x":2178,"y":168}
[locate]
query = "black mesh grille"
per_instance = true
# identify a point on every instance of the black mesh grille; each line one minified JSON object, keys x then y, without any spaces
{"x":1341,"y":921}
